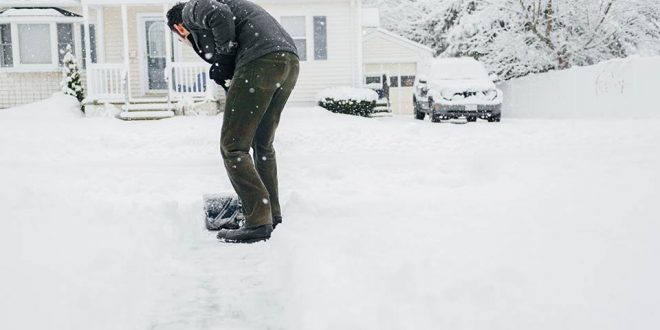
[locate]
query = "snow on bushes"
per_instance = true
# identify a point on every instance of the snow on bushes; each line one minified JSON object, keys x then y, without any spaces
{"x":71,"y":83}
{"x":348,"y":100}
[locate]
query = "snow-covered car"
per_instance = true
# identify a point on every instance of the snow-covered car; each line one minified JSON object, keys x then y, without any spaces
{"x":455,"y":88}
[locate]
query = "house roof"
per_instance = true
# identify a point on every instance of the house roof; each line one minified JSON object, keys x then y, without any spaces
{"x":128,"y":2}
{"x":77,"y":3}
{"x":398,"y":39}
{"x":36,"y":12}
{"x":40,"y":3}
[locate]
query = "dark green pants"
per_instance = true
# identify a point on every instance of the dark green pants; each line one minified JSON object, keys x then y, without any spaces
{"x":258,"y":93}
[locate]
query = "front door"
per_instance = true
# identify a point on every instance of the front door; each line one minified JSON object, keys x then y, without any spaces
{"x":155,"y":54}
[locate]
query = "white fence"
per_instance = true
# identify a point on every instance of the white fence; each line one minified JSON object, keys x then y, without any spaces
{"x":106,"y":81}
{"x":190,"y":79}
{"x":618,"y":88}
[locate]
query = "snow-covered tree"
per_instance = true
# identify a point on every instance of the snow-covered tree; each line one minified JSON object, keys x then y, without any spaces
{"x":424,"y":21}
{"x":518,"y":37}
{"x":71,"y":83}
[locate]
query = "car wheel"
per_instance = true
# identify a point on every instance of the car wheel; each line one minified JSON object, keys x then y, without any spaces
{"x":435,"y":119}
{"x":494,"y":119}
{"x":471,"y":119}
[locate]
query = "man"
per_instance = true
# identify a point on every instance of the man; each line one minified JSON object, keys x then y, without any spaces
{"x":243,"y":41}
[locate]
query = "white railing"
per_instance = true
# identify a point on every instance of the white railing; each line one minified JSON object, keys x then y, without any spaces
{"x":189,"y":79}
{"x":107,"y":81}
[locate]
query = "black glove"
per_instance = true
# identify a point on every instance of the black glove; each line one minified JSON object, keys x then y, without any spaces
{"x":220,"y":73}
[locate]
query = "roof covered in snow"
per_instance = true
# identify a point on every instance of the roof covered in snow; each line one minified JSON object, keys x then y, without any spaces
{"x":372,"y":33}
{"x":39,"y":3}
{"x":119,"y":2}
{"x":458,"y":68}
{"x":36,"y":12}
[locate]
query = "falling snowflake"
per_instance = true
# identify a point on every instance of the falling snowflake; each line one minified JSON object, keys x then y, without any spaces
{"x":251,"y":90}
{"x":264,"y":200}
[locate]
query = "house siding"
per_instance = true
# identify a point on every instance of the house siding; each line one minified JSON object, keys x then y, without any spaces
{"x":114,"y":44}
{"x":337,"y":70}
{"x":381,"y":50}
{"x":18,"y":87}
{"x":315,"y":75}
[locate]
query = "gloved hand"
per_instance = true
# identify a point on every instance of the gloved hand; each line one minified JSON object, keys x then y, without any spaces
{"x":222,"y":69}
{"x":220,"y":73}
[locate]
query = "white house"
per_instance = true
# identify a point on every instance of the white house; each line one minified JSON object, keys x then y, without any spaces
{"x":130,"y":58}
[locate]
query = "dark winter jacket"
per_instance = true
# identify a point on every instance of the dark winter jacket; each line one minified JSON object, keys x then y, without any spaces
{"x":238,"y":27}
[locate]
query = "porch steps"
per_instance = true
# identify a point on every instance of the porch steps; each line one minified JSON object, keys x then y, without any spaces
{"x":148,"y":106}
{"x":145,"y":115}
{"x":146,"y":111}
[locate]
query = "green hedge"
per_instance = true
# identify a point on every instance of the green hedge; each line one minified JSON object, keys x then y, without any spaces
{"x":349,"y":107}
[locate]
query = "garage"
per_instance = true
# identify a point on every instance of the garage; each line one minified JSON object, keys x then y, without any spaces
{"x":393,"y":62}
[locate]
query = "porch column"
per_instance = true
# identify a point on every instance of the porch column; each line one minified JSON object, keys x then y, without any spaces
{"x":88,"y":51}
{"x":127,"y":67}
{"x":168,"y":54}
{"x":100,"y":35}
{"x":360,"y":52}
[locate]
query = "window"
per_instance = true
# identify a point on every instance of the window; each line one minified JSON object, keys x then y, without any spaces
{"x":320,"y":38}
{"x":42,"y":46}
{"x":64,"y":40}
{"x":394,"y":81}
{"x":407,"y":81}
{"x":92,"y":38}
{"x":6,"y":56}
{"x":34,"y":43}
{"x":297,"y":28}
{"x":372,"y":79}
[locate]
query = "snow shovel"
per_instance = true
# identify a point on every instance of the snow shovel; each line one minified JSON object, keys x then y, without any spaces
{"x":222,"y":211}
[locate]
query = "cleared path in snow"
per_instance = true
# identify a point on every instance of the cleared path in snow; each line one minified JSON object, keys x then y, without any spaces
{"x":389,"y":223}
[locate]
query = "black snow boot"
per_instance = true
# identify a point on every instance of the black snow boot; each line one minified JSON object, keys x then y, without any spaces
{"x":245,"y":235}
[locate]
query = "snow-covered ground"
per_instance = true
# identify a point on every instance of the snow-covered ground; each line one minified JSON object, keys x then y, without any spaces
{"x":389,"y":223}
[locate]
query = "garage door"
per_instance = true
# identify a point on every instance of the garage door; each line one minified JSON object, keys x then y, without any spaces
{"x":402,"y":78}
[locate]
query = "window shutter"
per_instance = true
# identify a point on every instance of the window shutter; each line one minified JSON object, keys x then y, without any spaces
{"x":320,"y":38}
{"x":64,"y":39}
{"x":6,"y":57}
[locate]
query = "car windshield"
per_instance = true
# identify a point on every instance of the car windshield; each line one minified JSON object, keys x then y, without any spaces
{"x":458,"y":70}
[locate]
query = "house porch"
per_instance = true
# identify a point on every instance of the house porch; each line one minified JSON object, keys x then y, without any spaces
{"x":139,"y":66}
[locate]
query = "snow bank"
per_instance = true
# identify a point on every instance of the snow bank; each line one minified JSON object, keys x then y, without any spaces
{"x":618,"y":88}
{"x":54,"y":107}
{"x":348,"y":93}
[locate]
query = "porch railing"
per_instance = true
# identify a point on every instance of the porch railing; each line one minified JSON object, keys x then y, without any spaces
{"x":190,"y":79}
{"x":107,"y":81}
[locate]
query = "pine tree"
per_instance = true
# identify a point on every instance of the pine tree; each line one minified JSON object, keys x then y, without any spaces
{"x":71,"y":84}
